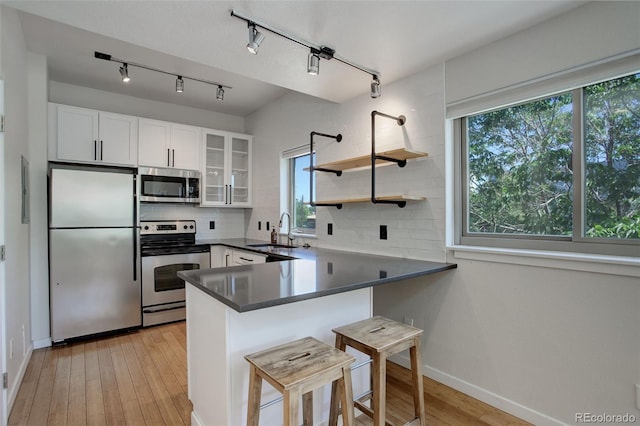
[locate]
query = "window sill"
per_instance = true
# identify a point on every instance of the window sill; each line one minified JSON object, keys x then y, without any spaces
{"x":612,"y":265}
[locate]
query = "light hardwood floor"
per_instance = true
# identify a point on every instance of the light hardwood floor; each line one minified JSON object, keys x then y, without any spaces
{"x":140,"y":378}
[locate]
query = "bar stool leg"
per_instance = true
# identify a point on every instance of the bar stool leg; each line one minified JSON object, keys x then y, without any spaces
{"x":416,"y":377}
{"x":334,"y":410}
{"x":291,"y":406}
{"x":378,"y":402}
{"x":307,"y":409}
{"x":348,"y":415}
{"x":255,"y":389}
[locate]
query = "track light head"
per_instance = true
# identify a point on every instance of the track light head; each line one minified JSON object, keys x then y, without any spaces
{"x":220,"y":93}
{"x":375,"y":87}
{"x":179,"y":84}
{"x":124,"y":73}
{"x":313,"y":63}
{"x":255,"y":39}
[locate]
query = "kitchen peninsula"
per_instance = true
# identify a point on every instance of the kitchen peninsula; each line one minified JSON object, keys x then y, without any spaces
{"x":234,"y":311}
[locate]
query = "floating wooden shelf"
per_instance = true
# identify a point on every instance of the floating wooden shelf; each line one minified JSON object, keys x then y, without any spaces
{"x":365,"y":160}
{"x":368,"y":199}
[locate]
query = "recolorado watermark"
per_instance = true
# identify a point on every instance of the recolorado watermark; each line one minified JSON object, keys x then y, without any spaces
{"x":604,"y":418}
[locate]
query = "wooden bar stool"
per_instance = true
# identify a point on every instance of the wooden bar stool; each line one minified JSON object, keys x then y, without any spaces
{"x":295,"y":369}
{"x":380,"y":338}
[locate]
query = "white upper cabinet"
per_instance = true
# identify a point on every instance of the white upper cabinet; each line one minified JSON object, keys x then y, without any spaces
{"x":185,"y":146}
{"x":165,"y":144}
{"x":153,"y":143}
{"x":90,"y":136}
{"x":226,"y":170}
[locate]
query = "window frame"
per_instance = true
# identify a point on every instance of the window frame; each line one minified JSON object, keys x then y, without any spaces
{"x":577,"y":242}
{"x":290,"y":181}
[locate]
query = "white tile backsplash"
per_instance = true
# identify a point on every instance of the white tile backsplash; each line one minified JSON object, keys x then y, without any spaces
{"x":229,"y":223}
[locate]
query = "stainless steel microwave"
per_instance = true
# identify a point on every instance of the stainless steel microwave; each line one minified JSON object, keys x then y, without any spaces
{"x":159,"y":185}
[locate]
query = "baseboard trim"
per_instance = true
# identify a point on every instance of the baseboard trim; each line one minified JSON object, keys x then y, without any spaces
{"x":42,"y":343}
{"x":13,"y":391}
{"x":488,"y":397}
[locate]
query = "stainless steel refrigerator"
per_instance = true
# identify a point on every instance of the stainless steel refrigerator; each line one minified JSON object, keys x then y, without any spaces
{"x":93,"y":251}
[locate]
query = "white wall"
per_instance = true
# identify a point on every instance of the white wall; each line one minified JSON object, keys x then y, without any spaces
{"x":38,"y":235}
{"x":540,"y":342}
{"x":18,"y":326}
{"x":416,"y":231}
{"x":114,"y":102}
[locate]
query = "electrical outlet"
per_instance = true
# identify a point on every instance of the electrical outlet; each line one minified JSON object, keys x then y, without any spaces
{"x":212,"y":224}
{"x":383,"y":232}
{"x":408,"y":321}
{"x":329,"y":228}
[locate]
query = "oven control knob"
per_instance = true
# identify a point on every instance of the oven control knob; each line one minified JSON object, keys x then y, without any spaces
{"x":146,"y":227}
{"x":185,"y":227}
{"x":191,"y":227}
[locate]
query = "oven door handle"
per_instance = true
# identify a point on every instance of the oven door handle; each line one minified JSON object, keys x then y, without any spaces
{"x":162,"y":309}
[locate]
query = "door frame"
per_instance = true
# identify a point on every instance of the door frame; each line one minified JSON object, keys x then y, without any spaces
{"x":4,"y":415}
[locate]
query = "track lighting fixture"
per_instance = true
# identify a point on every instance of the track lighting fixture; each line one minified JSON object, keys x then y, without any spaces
{"x":124,"y":73}
{"x":313,"y":63}
{"x":316,"y":51}
{"x":255,"y":39}
{"x":375,"y":87}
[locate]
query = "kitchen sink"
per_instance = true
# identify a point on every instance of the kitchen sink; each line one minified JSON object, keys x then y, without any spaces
{"x":268,"y":245}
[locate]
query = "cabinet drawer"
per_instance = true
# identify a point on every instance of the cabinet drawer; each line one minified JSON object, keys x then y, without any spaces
{"x":241,"y":257}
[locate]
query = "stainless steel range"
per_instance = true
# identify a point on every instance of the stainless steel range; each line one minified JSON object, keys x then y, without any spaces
{"x":166,"y":247}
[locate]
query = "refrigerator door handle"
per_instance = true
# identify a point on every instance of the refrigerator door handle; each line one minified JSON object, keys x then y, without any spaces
{"x":135,"y":254}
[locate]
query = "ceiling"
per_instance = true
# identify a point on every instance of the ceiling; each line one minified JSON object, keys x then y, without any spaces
{"x":202,"y":40}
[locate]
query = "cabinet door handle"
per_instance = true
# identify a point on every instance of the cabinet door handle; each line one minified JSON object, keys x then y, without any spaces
{"x":245,"y":259}
{"x":95,"y":149}
{"x":230,"y":194}
{"x":168,"y":157}
{"x":226,"y":200}
{"x":101,"y":143}
{"x":173,"y":154}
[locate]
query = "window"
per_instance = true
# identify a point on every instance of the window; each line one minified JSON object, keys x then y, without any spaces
{"x":303,"y":214}
{"x":565,"y":168}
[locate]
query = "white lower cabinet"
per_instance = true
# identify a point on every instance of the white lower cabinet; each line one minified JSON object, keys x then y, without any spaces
{"x":222,"y":256}
{"x":217,"y":256}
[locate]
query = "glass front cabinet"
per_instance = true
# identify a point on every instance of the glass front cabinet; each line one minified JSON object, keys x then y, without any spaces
{"x":226,"y":177}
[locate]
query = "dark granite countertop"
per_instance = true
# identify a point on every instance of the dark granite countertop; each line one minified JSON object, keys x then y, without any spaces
{"x":314,"y":272}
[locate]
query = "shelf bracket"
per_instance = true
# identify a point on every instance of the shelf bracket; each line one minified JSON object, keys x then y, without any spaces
{"x":400,"y":120}
{"x":313,"y":169}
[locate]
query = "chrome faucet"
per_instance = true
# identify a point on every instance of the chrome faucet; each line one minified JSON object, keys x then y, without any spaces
{"x":289,"y":237}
